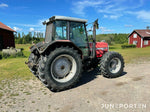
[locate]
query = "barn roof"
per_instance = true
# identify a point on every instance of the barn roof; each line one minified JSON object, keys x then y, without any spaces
{"x":3,"y":26}
{"x":143,"y":33}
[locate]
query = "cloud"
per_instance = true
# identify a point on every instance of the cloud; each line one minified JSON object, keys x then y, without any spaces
{"x":105,"y":16}
{"x":128,"y":25}
{"x":38,"y":24}
{"x":142,"y":14}
{"x":145,"y":15}
{"x":9,"y":26}
{"x":37,"y":27}
{"x":79,"y":7}
{"x":115,"y":8}
{"x":31,"y":29}
{"x":17,"y":29}
{"x":26,"y":25}
{"x":110,"y":10}
{"x":3,"y":5}
{"x":104,"y":29}
{"x":112,"y":16}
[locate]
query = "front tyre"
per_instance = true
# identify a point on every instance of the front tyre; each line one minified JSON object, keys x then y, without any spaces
{"x":111,"y":65}
{"x":62,"y":69}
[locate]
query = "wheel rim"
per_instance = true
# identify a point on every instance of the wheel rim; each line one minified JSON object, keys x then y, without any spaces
{"x":63,"y":68}
{"x":114,"y":65}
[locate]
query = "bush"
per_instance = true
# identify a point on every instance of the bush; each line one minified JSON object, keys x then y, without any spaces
{"x":113,"y":38}
{"x":124,"y":46}
{"x":0,"y":55}
{"x":11,"y":54}
{"x":19,"y":54}
{"x":5,"y":55}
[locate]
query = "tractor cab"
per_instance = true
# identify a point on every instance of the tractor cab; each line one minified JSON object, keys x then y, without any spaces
{"x":60,"y":28}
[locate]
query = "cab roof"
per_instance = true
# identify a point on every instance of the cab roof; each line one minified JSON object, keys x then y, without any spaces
{"x":53,"y":18}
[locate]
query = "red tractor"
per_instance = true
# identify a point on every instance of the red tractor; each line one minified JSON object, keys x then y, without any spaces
{"x":59,"y":61}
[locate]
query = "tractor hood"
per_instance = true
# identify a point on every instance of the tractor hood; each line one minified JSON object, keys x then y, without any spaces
{"x":101,"y":48}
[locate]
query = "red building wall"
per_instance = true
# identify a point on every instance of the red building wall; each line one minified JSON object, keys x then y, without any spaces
{"x":146,"y":45}
{"x":8,"y":38}
{"x":138,"y":39}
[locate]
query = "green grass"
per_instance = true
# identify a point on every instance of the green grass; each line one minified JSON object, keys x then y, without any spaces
{"x":15,"y":68}
{"x":130,"y":54}
{"x":1,"y":94}
{"x":27,"y":93}
{"x":26,"y":50}
{"x":14,"y":94}
{"x":114,"y":47}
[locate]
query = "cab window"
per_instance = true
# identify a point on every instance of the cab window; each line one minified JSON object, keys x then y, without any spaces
{"x":60,"y":30}
{"x":77,"y":33}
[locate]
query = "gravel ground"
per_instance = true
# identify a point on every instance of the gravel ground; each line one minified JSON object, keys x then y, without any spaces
{"x":94,"y":93}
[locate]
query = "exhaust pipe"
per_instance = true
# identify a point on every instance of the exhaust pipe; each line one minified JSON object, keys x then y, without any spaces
{"x":95,"y":26}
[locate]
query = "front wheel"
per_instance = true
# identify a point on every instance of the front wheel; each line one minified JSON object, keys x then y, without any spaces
{"x":111,"y":65}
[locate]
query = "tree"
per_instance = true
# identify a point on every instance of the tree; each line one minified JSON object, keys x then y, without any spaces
{"x":19,"y":36}
{"x":24,"y":41}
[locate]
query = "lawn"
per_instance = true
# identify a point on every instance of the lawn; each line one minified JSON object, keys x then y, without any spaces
{"x":26,"y":50}
{"x":130,"y":54}
{"x":15,"y":68}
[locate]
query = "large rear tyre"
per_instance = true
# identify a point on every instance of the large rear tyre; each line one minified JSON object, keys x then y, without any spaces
{"x":32,"y":59}
{"x":61,"y":69}
{"x":111,"y":65}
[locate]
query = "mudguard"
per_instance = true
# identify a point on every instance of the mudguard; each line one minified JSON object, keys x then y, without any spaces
{"x":41,"y":47}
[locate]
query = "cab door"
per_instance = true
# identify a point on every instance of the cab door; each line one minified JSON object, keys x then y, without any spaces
{"x":77,"y":34}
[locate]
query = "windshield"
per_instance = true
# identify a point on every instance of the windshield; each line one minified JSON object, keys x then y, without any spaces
{"x":77,"y":33}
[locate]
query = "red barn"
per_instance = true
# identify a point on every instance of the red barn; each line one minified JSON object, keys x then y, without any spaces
{"x":141,"y":38}
{"x":6,"y":37}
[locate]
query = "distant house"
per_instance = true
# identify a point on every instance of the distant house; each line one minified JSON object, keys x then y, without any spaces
{"x":141,"y":38}
{"x":6,"y":37}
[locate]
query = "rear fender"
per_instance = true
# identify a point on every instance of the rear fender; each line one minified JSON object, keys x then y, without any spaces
{"x":52,"y":45}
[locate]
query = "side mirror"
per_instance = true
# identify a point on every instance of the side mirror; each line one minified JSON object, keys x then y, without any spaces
{"x":89,"y":30}
{"x":96,"y":24}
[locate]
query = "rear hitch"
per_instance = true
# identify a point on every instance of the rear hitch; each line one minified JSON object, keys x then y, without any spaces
{"x":30,"y":64}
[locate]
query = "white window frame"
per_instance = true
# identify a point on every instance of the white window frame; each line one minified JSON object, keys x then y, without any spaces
{"x":134,"y":35}
{"x":135,"y":42}
{"x":145,"y":42}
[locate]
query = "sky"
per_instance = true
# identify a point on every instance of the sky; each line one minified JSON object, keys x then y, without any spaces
{"x":115,"y":16}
